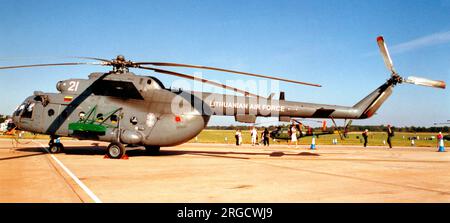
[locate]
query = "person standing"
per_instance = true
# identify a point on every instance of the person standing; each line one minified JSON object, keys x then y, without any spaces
{"x":266,"y":137}
{"x":390,"y":133}
{"x":254,"y":135}
{"x":293,"y":135}
{"x":440,"y":141}
{"x":365,"y":135}
{"x":236,"y":136}
{"x":262,"y":139}
{"x":240,"y":137}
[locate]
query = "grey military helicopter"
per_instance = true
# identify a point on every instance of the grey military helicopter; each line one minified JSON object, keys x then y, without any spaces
{"x":123,"y":108}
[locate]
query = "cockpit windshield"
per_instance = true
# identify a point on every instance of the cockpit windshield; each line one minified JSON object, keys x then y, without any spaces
{"x":19,"y":109}
{"x":25,"y":110}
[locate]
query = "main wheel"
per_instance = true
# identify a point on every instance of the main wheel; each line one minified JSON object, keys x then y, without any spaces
{"x":115,"y":150}
{"x":56,"y":147}
{"x":152,"y":150}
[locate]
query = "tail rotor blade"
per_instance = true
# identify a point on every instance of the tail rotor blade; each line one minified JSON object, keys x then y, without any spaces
{"x":396,"y":78}
{"x":385,"y":53}
{"x":425,"y":82}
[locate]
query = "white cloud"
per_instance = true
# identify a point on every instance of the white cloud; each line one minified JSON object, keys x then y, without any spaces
{"x":425,"y":41}
{"x":430,"y":40}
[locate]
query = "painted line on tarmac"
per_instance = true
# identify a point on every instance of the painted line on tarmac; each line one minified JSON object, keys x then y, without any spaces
{"x":75,"y":178}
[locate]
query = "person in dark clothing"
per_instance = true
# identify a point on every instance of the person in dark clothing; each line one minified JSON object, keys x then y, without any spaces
{"x":390,"y":133}
{"x":365,"y":135}
{"x":266,"y":137}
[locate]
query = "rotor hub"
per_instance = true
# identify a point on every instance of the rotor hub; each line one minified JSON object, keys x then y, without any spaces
{"x":120,"y":65}
{"x":395,"y":79}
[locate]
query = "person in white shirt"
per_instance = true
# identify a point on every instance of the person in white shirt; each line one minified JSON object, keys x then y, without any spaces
{"x":236,"y":136}
{"x":293,"y":135}
{"x":240,"y":137}
{"x":254,"y":134}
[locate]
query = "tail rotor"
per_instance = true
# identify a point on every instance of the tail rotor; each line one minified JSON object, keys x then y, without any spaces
{"x":396,"y":78}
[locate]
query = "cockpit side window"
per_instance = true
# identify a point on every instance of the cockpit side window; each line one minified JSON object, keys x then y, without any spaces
{"x":43,"y":99}
{"x":28,"y":112}
{"x":38,"y":98}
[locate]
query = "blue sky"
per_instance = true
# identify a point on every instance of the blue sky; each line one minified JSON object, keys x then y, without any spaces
{"x":332,"y":43}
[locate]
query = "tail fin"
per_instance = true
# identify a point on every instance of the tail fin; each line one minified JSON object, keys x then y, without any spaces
{"x":372,"y":102}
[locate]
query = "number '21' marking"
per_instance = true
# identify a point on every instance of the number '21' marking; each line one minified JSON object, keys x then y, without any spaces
{"x":73,"y":86}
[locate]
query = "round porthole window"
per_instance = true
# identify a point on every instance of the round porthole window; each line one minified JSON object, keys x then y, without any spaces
{"x":81,"y":115}
{"x":134,"y":120}
{"x":51,"y":112}
{"x":100,"y":117}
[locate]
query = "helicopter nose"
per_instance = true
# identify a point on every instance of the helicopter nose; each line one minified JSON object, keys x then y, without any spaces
{"x":11,"y":125}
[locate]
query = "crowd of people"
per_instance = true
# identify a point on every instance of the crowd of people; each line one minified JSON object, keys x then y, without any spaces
{"x":264,"y":137}
{"x":293,"y":136}
{"x":254,"y":137}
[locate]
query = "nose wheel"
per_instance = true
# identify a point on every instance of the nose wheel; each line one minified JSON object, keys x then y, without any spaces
{"x":55,"y":146}
{"x":115,"y":150}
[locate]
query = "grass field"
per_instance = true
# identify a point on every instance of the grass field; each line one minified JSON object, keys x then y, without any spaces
{"x":354,"y":138}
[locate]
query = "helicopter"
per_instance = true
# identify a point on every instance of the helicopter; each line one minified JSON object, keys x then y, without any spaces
{"x":284,"y":132}
{"x":123,"y":108}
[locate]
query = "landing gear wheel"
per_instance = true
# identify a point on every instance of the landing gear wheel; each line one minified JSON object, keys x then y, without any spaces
{"x":115,"y":150}
{"x":152,"y":150}
{"x":56,"y":147}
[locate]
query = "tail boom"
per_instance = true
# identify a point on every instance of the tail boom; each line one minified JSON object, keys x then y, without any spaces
{"x":372,"y":102}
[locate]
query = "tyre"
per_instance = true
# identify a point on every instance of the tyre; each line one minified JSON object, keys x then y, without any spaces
{"x":115,"y":150}
{"x":152,"y":150}
{"x":61,"y":147}
{"x":56,"y":148}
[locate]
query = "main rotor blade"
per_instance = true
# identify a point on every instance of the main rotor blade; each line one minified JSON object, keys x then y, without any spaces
{"x":49,"y":65}
{"x":385,"y":53}
{"x":425,"y":82}
{"x":92,"y":58}
{"x":199,"y":79}
{"x":223,"y":70}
